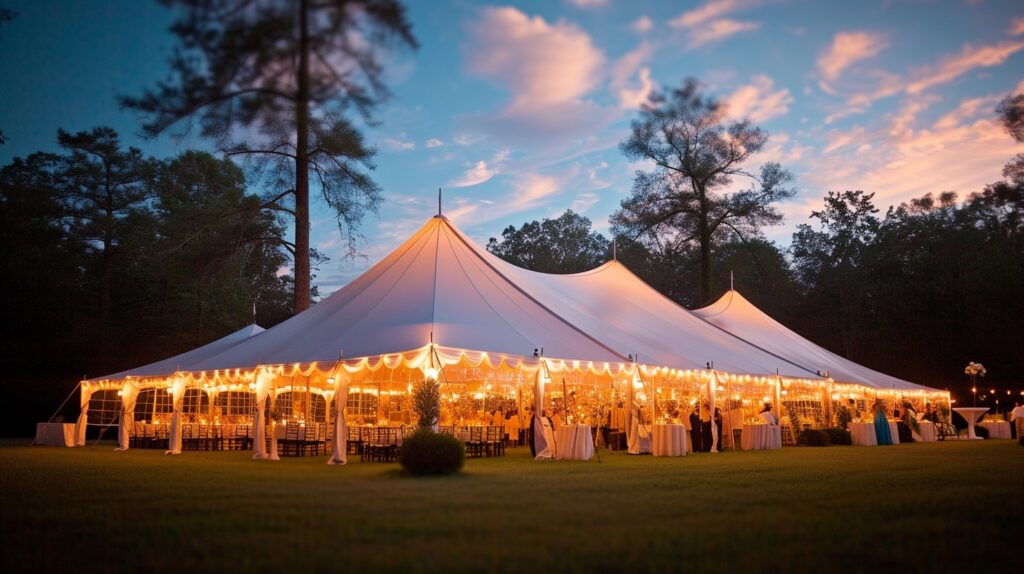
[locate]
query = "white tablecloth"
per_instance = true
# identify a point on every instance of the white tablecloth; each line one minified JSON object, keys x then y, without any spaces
{"x":928,"y":432}
{"x":668,"y":440}
{"x":574,"y":442}
{"x":55,"y":434}
{"x":997,"y":429}
{"x":761,"y":437}
{"x":863,"y":434}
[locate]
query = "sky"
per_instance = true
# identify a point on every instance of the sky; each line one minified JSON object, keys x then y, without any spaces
{"x":516,"y":109}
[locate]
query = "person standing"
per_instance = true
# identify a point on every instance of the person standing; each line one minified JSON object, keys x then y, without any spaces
{"x":696,"y":430}
{"x":882,"y":432}
{"x":1017,"y":416}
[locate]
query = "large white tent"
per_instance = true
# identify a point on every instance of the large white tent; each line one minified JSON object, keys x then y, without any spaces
{"x":441,"y":306}
{"x":439,"y":287}
{"x":734,"y":313}
{"x":189,"y":360}
{"x":434,"y":288}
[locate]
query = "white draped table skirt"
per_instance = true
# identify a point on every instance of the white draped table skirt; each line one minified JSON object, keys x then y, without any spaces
{"x":761,"y":437}
{"x":668,"y":440}
{"x":574,"y":442}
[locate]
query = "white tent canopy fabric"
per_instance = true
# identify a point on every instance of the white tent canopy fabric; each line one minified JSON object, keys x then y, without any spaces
{"x":735,"y":314}
{"x":439,"y":287}
{"x":433,"y":288}
{"x":188,"y":360}
{"x":632,"y":317}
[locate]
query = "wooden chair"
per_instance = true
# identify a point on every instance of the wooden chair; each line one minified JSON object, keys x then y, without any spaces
{"x":135,"y":439}
{"x":494,"y":443}
{"x":243,"y":438}
{"x":289,"y":445}
{"x":946,"y":430}
{"x":354,"y":442}
{"x":475,"y":445}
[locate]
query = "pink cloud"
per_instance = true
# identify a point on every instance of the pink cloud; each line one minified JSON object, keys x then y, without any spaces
{"x":707,"y":23}
{"x":947,"y":69}
{"x":642,"y":25}
{"x":718,"y":30}
{"x":540,"y":63}
{"x":705,"y":13}
{"x":847,"y":49}
{"x":589,"y":3}
{"x":633,"y":91}
{"x":958,"y":152}
{"x":759,"y":100}
{"x":969,"y":58}
{"x":1016,"y":27}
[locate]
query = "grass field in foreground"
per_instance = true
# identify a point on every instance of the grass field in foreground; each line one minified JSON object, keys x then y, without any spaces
{"x":917,"y":507}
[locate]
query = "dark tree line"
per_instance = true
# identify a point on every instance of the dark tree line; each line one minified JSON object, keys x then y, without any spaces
{"x":111,"y":258}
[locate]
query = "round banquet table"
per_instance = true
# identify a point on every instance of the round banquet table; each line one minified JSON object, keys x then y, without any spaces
{"x":971,"y":415}
{"x":927,"y":433}
{"x":573,"y":442}
{"x":760,"y":437}
{"x":668,"y":440}
{"x":997,"y":429}
{"x":863,"y":434}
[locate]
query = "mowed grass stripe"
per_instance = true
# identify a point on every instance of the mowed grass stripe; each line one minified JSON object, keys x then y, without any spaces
{"x":933,"y":506}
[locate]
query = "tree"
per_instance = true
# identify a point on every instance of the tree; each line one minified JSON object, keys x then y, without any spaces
{"x":697,"y":152}
{"x":833,"y":263}
{"x":41,"y":270}
{"x":562,"y":245}
{"x":101,"y":183}
{"x":272,"y":80}
{"x":760,"y":271}
{"x":217,"y":256}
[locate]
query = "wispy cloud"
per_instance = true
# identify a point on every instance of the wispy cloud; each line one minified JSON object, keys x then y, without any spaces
{"x":901,"y":157}
{"x":395,"y":144}
{"x":705,"y":13}
{"x":707,"y":24}
{"x":642,"y":25}
{"x":630,"y":80}
{"x":433,"y":143}
{"x":945,"y":70}
{"x":759,"y":100}
{"x":847,"y":49}
{"x":969,"y":58}
{"x":1016,"y":27}
{"x":588,"y":3}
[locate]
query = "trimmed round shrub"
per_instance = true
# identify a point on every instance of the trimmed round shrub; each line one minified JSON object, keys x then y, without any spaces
{"x":839,"y":436}
{"x":813,"y":437}
{"x":429,"y":453}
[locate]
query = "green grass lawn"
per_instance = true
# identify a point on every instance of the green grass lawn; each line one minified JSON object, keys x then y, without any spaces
{"x":918,"y":507}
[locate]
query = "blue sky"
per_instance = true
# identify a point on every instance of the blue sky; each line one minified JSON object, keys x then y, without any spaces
{"x":516,"y":109}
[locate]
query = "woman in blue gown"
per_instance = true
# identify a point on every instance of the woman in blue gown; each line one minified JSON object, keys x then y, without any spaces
{"x":882,"y":432}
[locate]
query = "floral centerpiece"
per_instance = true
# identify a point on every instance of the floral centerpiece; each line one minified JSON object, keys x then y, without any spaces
{"x":975,"y":370}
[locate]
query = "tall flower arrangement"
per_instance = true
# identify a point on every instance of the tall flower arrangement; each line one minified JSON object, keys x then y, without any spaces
{"x":975,"y":370}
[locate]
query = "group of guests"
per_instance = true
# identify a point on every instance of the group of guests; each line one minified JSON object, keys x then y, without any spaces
{"x":701,"y":436}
